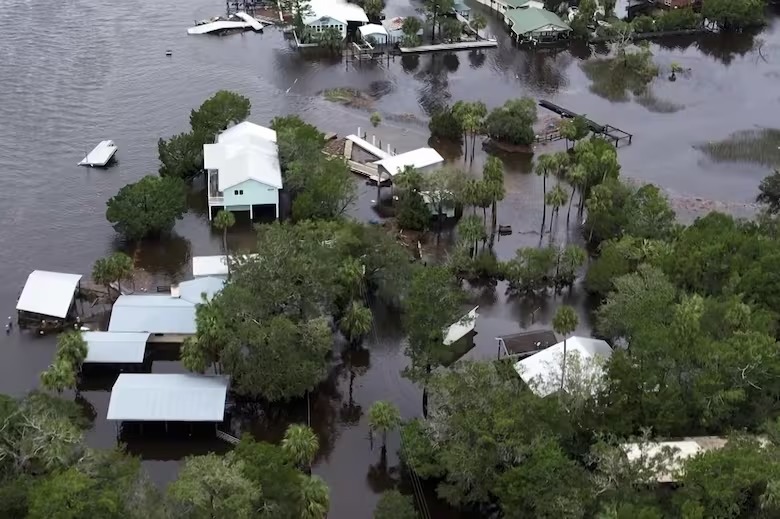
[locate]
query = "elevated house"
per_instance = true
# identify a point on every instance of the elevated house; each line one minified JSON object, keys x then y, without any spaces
{"x":243,"y":170}
{"x":534,"y":25}
{"x":335,"y":14}
{"x":48,"y":299}
{"x":168,"y":317}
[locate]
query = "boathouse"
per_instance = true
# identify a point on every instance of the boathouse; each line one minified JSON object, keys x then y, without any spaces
{"x":423,"y":160}
{"x":243,"y":170}
{"x":168,"y":399}
{"x":543,"y":371}
{"x":48,"y":299}
{"x":536,"y":25}
{"x":167,"y":317}
{"x":115,"y":347}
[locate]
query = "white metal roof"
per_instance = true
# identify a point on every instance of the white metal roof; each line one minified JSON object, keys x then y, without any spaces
{"x":336,"y":9}
{"x":461,"y":327}
{"x":220,"y":25}
{"x":209,"y":266}
{"x":153,"y":313}
{"x":246,"y":129}
{"x":418,"y":158}
{"x":48,"y":293}
{"x":168,"y":397}
{"x":100,"y":155}
{"x":115,"y":348}
{"x":372,"y":29}
{"x":679,"y":451}
{"x":542,"y":370}
{"x":238,"y":162}
{"x":191,"y":290}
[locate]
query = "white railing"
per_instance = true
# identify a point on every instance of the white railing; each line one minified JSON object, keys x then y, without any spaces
{"x":216,"y":200}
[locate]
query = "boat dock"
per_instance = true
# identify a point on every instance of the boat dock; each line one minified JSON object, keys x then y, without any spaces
{"x":218,"y":27}
{"x":463,"y":45}
{"x":253,"y":23}
{"x":614,"y":134}
{"x":100,"y":156}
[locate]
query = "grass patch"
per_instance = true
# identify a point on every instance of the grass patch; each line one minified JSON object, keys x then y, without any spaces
{"x":756,"y":146}
{"x":348,"y":97}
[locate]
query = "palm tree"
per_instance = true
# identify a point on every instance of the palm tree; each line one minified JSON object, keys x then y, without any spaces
{"x":493,"y":174}
{"x":122,"y":266}
{"x":471,"y":230}
{"x":564,"y":322}
{"x":315,"y":497}
{"x":72,"y":348}
{"x":575,"y":176}
{"x":478,"y":22}
{"x":59,"y":376}
{"x":383,"y":417}
{"x":301,"y":444}
{"x":544,"y":166}
{"x":356,"y":322}
{"x":224,"y":221}
{"x":102,"y":273}
{"x":331,"y":39}
{"x":556,"y":198}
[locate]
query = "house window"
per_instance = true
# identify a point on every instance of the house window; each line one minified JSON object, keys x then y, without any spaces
{"x":240,"y":191}
{"x":235,"y":191}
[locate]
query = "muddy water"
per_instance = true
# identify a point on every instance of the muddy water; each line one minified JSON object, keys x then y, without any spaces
{"x":100,"y":72}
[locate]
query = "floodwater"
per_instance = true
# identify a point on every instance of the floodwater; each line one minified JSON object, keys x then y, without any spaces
{"x":89,"y":71}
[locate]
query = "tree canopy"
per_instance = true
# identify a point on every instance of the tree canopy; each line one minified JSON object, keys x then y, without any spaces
{"x":148,"y":207}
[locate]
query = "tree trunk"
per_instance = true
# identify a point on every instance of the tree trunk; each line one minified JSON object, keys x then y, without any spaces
{"x":433,"y":29}
{"x":544,"y":199}
{"x":552,"y":219}
{"x":484,"y":216}
{"x":568,"y":211}
{"x":563,"y":365}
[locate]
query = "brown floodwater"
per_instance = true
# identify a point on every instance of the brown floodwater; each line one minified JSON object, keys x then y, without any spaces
{"x":101,"y":72}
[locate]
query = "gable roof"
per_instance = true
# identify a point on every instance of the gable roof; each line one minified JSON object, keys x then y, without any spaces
{"x":418,"y":158}
{"x":115,"y":348}
{"x":48,"y":293}
{"x":247,"y":129}
{"x":542,"y":371}
{"x":157,"y":397}
{"x":337,"y":10}
{"x":238,"y":162}
{"x":191,"y":290}
{"x":532,"y":19}
{"x":153,"y":313}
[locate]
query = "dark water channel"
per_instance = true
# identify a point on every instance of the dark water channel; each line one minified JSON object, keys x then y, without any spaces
{"x":87,"y":71}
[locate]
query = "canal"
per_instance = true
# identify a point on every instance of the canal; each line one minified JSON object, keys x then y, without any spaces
{"x":84,"y":72}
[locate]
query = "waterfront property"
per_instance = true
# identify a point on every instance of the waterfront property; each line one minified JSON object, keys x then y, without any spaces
{"x":394,"y":27}
{"x":523,"y":344}
{"x":115,"y":347}
{"x":530,"y":24}
{"x":423,"y":160}
{"x":501,"y":6}
{"x":48,"y":297}
{"x":168,"y":398}
{"x":373,"y":33}
{"x":333,"y":14}
{"x":543,"y":371}
{"x":243,"y":169}
{"x":100,"y":155}
{"x":167,"y":317}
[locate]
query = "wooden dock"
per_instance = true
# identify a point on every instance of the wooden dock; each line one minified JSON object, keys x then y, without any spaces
{"x":612,"y":133}
{"x":462,"y":45}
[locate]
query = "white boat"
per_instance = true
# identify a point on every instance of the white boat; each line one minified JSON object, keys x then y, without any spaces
{"x":100,"y":156}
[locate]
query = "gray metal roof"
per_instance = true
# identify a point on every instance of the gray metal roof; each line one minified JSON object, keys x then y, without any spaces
{"x":152,"y":313}
{"x":48,"y":293}
{"x":191,"y":290}
{"x":115,"y":347}
{"x":168,"y":398}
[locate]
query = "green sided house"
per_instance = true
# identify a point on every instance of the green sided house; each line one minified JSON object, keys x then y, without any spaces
{"x":243,"y":170}
{"x":536,"y":25}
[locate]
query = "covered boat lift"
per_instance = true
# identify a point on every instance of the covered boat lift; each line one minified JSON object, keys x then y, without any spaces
{"x":48,"y":298}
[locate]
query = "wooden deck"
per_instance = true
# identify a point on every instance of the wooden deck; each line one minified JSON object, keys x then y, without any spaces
{"x":610,"y":132}
{"x":462,"y":45}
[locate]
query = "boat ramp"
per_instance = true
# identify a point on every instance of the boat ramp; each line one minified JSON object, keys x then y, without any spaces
{"x":100,"y":156}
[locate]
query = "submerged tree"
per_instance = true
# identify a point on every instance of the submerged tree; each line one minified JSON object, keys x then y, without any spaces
{"x":356,"y":322}
{"x":315,"y":497}
{"x":113,"y":269}
{"x":394,"y":505}
{"x":148,"y":207}
{"x":218,"y":112}
{"x":383,"y":417}
{"x":301,"y":444}
{"x":181,"y":156}
{"x":564,"y":322}
{"x":769,"y":192}
{"x":493,"y":175}
{"x":224,"y":221}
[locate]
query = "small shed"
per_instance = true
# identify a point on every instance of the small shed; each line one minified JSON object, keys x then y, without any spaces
{"x":47,"y":295}
{"x":166,"y":318}
{"x":373,"y":33}
{"x":543,"y":371}
{"x":115,"y":347}
{"x":156,"y":397}
{"x":423,"y":160}
{"x":394,"y":27}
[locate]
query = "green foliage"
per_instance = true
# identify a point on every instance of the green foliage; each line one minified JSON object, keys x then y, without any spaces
{"x":432,"y":287}
{"x":734,"y":15}
{"x":148,"y":207}
{"x":218,"y":112}
{"x":315,"y":496}
{"x":301,"y":444}
{"x":328,"y":190}
{"x":478,"y":22}
{"x":373,"y":9}
{"x":411,"y":26}
{"x":513,"y":122}
{"x":113,"y":269}
{"x":445,"y":125}
{"x":619,"y":257}
{"x":565,"y":320}
{"x":63,"y":372}
{"x":643,"y":24}
{"x":531,"y":269}
{"x":375,"y":119}
{"x":213,"y":486}
{"x":677,"y":19}
{"x":434,"y":9}
{"x":769,"y":192}
{"x":574,"y":129}
{"x":630,"y":71}
{"x":330,"y":38}
{"x":411,"y":211}
{"x":181,"y":156}
{"x":394,"y":505}
{"x":357,"y":322}
{"x":450,"y":29}
{"x":59,"y":376}
{"x":383,"y":417}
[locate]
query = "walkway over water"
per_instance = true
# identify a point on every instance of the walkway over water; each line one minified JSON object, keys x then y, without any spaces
{"x":463,"y":45}
{"x":606,"y":130}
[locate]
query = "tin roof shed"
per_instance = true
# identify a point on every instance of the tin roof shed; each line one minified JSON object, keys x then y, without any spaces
{"x":48,"y":293}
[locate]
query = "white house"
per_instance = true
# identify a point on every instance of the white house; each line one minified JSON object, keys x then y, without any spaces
{"x":243,"y":169}
{"x":585,"y":357}
{"x":324,"y":14}
{"x":376,"y":33}
{"x":423,"y":160}
{"x":502,"y":6}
